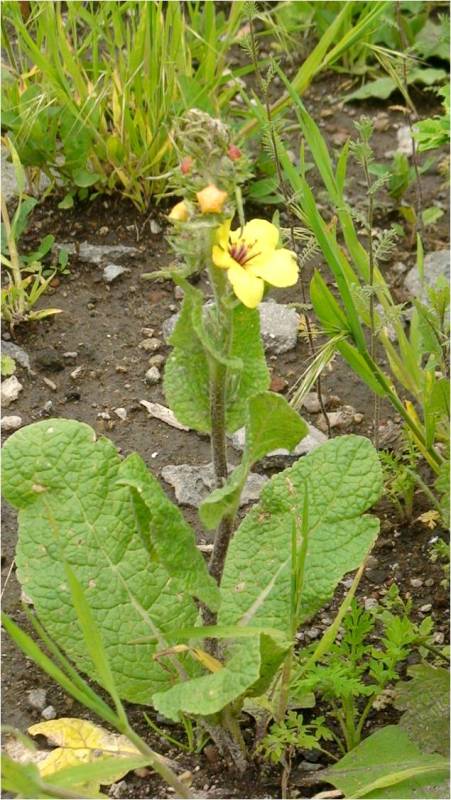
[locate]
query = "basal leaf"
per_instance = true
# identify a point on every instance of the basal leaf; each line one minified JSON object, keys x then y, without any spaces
{"x":73,"y":508}
{"x":248,"y":669}
{"x":388,"y":765}
{"x":342,"y":479}
{"x":177,"y":552}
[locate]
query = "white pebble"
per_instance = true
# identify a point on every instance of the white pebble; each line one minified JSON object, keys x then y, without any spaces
{"x":10,"y":423}
{"x":10,"y":390}
{"x":153,"y":375}
{"x":121,"y":413}
{"x":49,"y":713}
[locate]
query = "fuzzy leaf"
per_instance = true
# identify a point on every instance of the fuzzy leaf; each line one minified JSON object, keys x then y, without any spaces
{"x":271,"y":423}
{"x":388,"y":765}
{"x":343,"y":479}
{"x":178,"y":553}
{"x":425,"y":702}
{"x":250,"y":666}
{"x":73,"y":508}
{"x":186,"y":379}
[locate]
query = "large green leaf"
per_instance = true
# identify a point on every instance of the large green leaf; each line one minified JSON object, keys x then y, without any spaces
{"x":186,"y":380}
{"x":271,"y":423}
{"x":249,"y":666}
{"x":389,"y":765}
{"x":74,"y":508}
{"x":342,"y":479}
{"x":425,"y":702}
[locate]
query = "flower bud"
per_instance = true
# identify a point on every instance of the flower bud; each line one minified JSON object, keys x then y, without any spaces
{"x":186,"y":165}
{"x":234,"y":152}
{"x":179,"y":212}
{"x":211,"y":199}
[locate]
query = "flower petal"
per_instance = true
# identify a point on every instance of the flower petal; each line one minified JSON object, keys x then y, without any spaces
{"x":222,"y":234}
{"x":222,"y":258}
{"x":262,"y":232}
{"x":279,"y":268}
{"x":247,"y":287}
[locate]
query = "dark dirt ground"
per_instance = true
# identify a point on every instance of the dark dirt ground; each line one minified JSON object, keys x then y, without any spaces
{"x":104,"y":325}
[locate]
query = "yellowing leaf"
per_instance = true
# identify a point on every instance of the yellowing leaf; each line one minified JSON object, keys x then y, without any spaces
{"x":80,"y":742}
{"x":207,"y":661}
{"x":429,"y":518}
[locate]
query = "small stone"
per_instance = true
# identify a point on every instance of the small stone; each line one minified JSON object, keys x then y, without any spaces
{"x":10,"y":390}
{"x":405,"y":144}
{"x":371,"y":562}
{"x":70,"y":354}
{"x":49,"y":360}
{"x":179,"y":294}
{"x":278,"y":384}
{"x":77,"y":372}
{"x":50,"y":384}
{"x":369,"y":603}
{"x":416,"y":583}
{"x":148,"y":332}
{"x":311,"y":403}
{"x":121,"y":413}
{"x":158,"y":411}
{"x":313,"y":633}
{"x":155,"y":228}
{"x":211,"y":753}
{"x":338,"y":419}
{"x":436,"y":266}
{"x":429,"y":582}
{"x":333,"y":402}
{"x":157,"y":360}
{"x":376,"y":576}
{"x":49,"y":712}
{"x":142,"y":772}
{"x":37,"y":698}
{"x":150,"y":345}
{"x":17,"y":353}
{"x":10,"y":423}
{"x":381,"y":122}
{"x":47,"y":407}
{"x":99,"y":253}
{"x":153,"y":375}
{"x":103,"y":230}
{"x":117,"y":789}
{"x":121,"y":368}
{"x":427,"y":607}
{"x":113,"y":271}
{"x":103,"y":415}
{"x":358,"y":419}
{"x":439,"y":638}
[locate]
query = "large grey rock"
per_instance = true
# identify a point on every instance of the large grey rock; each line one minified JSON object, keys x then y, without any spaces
{"x":10,"y":390}
{"x":192,"y":483}
{"x":278,"y":323}
{"x":310,"y":442}
{"x":436,"y":265}
{"x":100,"y":253}
{"x":14,"y":351}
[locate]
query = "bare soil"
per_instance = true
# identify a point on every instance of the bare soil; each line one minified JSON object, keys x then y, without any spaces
{"x":104,"y":324}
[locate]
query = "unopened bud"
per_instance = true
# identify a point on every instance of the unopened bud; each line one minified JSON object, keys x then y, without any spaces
{"x":186,"y":165}
{"x":211,"y":199}
{"x":179,"y":212}
{"x":234,"y":152}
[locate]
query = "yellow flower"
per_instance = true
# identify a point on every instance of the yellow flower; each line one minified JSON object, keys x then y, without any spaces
{"x":211,"y":199}
{"x":250,"y":257}
{"x":179,"y":212}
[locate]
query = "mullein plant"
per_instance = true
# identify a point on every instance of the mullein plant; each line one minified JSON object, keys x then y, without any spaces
{"x":241,"y":263}
{"x":194,"y":640}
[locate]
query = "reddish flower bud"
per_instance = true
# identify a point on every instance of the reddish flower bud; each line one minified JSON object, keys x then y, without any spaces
{"x":186,"y":165}
{"x":234,"y":152}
